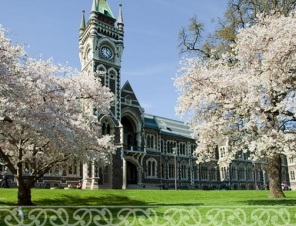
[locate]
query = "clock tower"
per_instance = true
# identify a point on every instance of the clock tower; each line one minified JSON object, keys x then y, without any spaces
{"x":100,"y":51}
{"x":101,"y":47}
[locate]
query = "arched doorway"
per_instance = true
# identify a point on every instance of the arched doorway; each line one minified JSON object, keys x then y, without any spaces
{"x":130,"y":133}
{"x":131,"y":173}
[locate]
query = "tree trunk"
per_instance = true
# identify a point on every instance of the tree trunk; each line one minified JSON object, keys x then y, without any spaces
{"x":24,"y":196}
{"x":274,"y":175}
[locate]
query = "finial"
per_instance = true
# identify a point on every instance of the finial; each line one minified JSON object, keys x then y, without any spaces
{"x":120,"y":19}
{"x":82,"y":23}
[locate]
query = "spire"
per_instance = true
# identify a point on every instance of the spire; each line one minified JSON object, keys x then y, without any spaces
{"x":93,"y":11}
{"x":120,"y":19}
{"x":104,"y":8}
{"x":82,"y":23}
{"x":94,"y":6}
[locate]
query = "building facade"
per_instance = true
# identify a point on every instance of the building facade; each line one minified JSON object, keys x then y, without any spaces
{"x":152,"y":151}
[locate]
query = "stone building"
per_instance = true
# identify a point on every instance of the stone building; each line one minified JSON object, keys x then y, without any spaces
{"x":152,"y":152}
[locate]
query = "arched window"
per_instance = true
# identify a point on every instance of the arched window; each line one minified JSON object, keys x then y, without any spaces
{"x":234,"y":171}
{"x":72,"y":169}
{"x":250,"y":172}
{"x":223,"y":173}
{"x":241,"y":172}
{"x":196,"y":172}
{"x":184,"y":170}
{"x":170,"y":146}
{"x":162,"y":170}
{"x":292,"y":175}
{"x":213,"y":172}
{"x":150,"y":141}
{"x":182,"y":149}
{"x":239,"y":154}
{"x":284,"y":175}
{"x":192,"y":147}
{"x":171,"y":170}
{"x":204,"y":173}
{"x":222,"y":152}
{"x":106,"y":127}
{"x":151,"y":167}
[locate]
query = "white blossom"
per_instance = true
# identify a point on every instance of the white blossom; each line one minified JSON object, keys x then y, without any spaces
{"x":49,"y":111}
{"x":251,"y":101}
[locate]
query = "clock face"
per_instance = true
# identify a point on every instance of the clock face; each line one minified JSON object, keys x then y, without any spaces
{"x":106,"y":52}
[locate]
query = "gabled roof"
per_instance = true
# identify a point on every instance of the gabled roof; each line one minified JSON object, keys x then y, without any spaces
{"x":127,"y":88}
{"x":167,"y":126}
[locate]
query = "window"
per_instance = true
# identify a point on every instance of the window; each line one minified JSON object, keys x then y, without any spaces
{"x":184,"y":170}
{"x":222,"y":152}
{"x":161,"y":146}
{"x":239,"y":154}
{"x":292,"y":175}
{"x":241,"y":172}
{"x":151,"y":167}
{"x":284,"y":174}
{"x":192,"y":147}
{"x":234,"y":171}
{"x":106,"y":174}
{"x":171,"y":170}
{"x":162,"y":170}
{"x":150,"y":141}
{"x":213,"y":173}
{"x":182,"y":149}
{"x":170,"y":146}
{"x":72,"y":169}
{"x":223,"y":173}
{"x":196,"y":172}
{"x":250,"y":173}
{"x":204,"y":173}
{"x":106,"y":128}
{"x":248,"y":154}
{"x":291,"y":160}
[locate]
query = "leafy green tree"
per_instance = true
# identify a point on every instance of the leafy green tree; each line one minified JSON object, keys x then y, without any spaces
{"x":238,"y":14}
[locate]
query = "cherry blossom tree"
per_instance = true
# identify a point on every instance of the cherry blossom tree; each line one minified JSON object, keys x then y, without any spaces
{"x":247,"y":96}
{"x":46,"y":116}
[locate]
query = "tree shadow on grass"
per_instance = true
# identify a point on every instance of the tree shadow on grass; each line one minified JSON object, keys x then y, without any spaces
{"x":109,"y":200}
{"x":271,"y":202}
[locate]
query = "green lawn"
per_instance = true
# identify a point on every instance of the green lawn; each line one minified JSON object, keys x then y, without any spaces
{"x":149,"y":207}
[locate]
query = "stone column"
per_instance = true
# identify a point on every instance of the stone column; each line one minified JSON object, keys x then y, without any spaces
{"x":140,"y":175}
{"x":84,"y":175}
{"x":93,"y":175}
{"x":123,"y":173}
{"x":139,"y":140}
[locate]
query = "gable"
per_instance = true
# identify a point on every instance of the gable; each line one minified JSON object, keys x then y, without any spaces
{"x":128,"y":96}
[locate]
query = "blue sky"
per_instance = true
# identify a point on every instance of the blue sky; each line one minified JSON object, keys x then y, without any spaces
{"x":150,"y":57}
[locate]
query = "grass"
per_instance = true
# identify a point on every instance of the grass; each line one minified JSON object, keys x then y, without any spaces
{"x":157,"y":207}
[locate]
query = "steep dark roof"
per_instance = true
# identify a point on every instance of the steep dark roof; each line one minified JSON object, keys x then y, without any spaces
{"x":167,"y":126}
